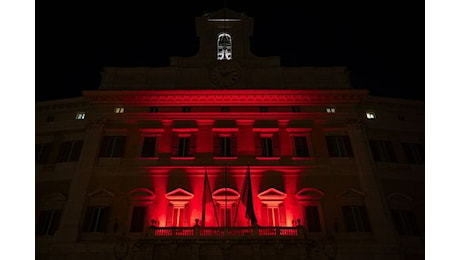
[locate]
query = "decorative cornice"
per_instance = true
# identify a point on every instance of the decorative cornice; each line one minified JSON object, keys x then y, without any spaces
{"x":226,"y":97}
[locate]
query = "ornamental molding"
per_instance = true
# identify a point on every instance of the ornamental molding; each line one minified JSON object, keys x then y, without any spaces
{"x":219,"y":98}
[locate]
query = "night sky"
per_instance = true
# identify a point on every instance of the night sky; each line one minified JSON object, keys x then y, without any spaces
{"x":382,"y":44}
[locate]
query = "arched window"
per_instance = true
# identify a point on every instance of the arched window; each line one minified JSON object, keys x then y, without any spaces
{"x":224,"y":46}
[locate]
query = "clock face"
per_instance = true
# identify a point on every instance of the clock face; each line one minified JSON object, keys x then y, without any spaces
{"x":225,"y":75}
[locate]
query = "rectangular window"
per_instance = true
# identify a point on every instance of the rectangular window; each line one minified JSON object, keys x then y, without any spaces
{"x":301,"y":146}
{"x":112,"y":146}
{"x":178,"y":215}
{"x":273,"y":217}
{"x":149,"y":147}
{"x":382,"y":151}
{"x":186,"y":109}
{"x":154,"y":109}
{"x":48,"y":222}
{"x":225,"y":109}
{"x":263,"y":109}
{"x":405,"y":223}
{"x":225,"y":218}
{"x":80,"y":115}
{"x":184,"y":147}
{"x":225,"y":146}
{"x":295,"y":109}
{"x":42,"y":152}
{"x":415,"y":153}
{"x":370,"y":115}
{"x":339,"y":146}
{"x":96,"y":219}
{"x":312,"y":216}
{"x":267,"y":146}
{"x":356,"y":219}
{"x":330,"y":109}
{"x":138,"y":219}
{"x":70,"y":151}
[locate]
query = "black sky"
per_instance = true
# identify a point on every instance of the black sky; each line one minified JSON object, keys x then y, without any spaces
{"x":381,"y":43}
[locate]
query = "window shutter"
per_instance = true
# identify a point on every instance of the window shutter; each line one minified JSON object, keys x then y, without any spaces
{"x":103,"y":227}
{"x":348,"y":217}
{"x":313,"y":222}
{"x":258,"y":143}
{"x":233,"y":144}
{"x":217,"y":145}
{"x":169,"y":216}
{"x":87,"y":219}
{"x":119,"y":148}
{"x":331,"y":145}
{"x":75,"y":155}
{"x":192,"y":149}
{"x":186,"y":216}
{"x":348,"y":146}
{"x":175,"y":145}
{"x":276,"y":145}
{"x":55,"y":222}
{"x":265,"y":214}
{"x":365,"y":219}
{"x":282,"y":212}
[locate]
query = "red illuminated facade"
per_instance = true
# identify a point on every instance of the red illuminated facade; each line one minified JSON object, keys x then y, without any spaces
{"x":334,"y":172}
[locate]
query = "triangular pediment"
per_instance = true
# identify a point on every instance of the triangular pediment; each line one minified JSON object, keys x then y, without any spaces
{"x":179,"y":194}
{"x":272,"y":194}
{"x":351,"y":193}
{"x":141,"y":194}
{"x":101,"y":193}
{"x":309,"y":194}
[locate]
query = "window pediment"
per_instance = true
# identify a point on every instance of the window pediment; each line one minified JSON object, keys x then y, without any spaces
{"x":307,"y":194}
{"x":226,"y":194}
{"x":272,"y":196}
{"x":141,"y":194}
{"x":179,"y":194}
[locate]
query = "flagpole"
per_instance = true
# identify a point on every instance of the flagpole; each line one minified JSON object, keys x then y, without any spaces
{"x":226,"y":187}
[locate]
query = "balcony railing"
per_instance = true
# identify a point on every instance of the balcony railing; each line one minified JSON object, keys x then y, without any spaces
{"x":227,"y":232}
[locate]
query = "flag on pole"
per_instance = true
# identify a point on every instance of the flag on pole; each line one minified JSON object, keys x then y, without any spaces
{"x":247,"y":198}
{"x":207,"y":197}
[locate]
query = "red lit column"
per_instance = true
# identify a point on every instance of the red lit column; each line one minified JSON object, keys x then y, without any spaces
{"x":285,"y":140}
{"x":165,"y":142}
{"x":204,"y":139}
{"x":245,"y":138}
{"x":69,"y":227}
{"x":380,"y":219}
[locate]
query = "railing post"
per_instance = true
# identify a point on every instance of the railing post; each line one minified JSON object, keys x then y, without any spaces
{"x":196,"y":229}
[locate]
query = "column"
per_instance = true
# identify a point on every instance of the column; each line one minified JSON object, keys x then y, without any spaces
{"x":204,"y":140}
{"x":69,"y":228}
{"x":380,"y":219}
{"x":285,"y":139}
{"x":165,"y":142}
{"x":245,"y":138}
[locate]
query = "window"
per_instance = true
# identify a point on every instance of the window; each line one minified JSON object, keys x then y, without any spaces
{"x":224,"y":146}
{"x":356,"y":219}
{"x":138,"y":219}
{"x":154,"y":109}
{"x":415,"y":153}
{"x":70,"y":151}
{"x":96,"y":219}
{"x":301,"y":146}
{"x":330,"y":109}
{"x":225,"y":109}
{"x":273,"y":211}
{"x":405,"y":222}
{"x":370,"y":115}
{"x":112,"y":146}
{"x":48,"y":222}
{"x":42,"y":152}
{"x":186,"y":109}
{"x":339,"y":146}
{"x":273,"y":217}
{"x":149,"y":146}
{"x":224,"y":46}
{"x":382,"y":151}
{"x":119,"y":110}
{"x":267,"y":146}
{"x":178,"y":214}
{"x":295,"y":109}
{"x":184,"y":147}
{"x":80,"y":115}
{"x":263,"y":109}
{"x":312,"y":218}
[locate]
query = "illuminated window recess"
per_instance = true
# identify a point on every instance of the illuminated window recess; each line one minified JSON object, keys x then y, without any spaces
{"x":224,"y":46}
{"x":80,"y":115}
{"x":370,"y":115}
{"x":330,"y":109}
{"x":119,"y":110}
